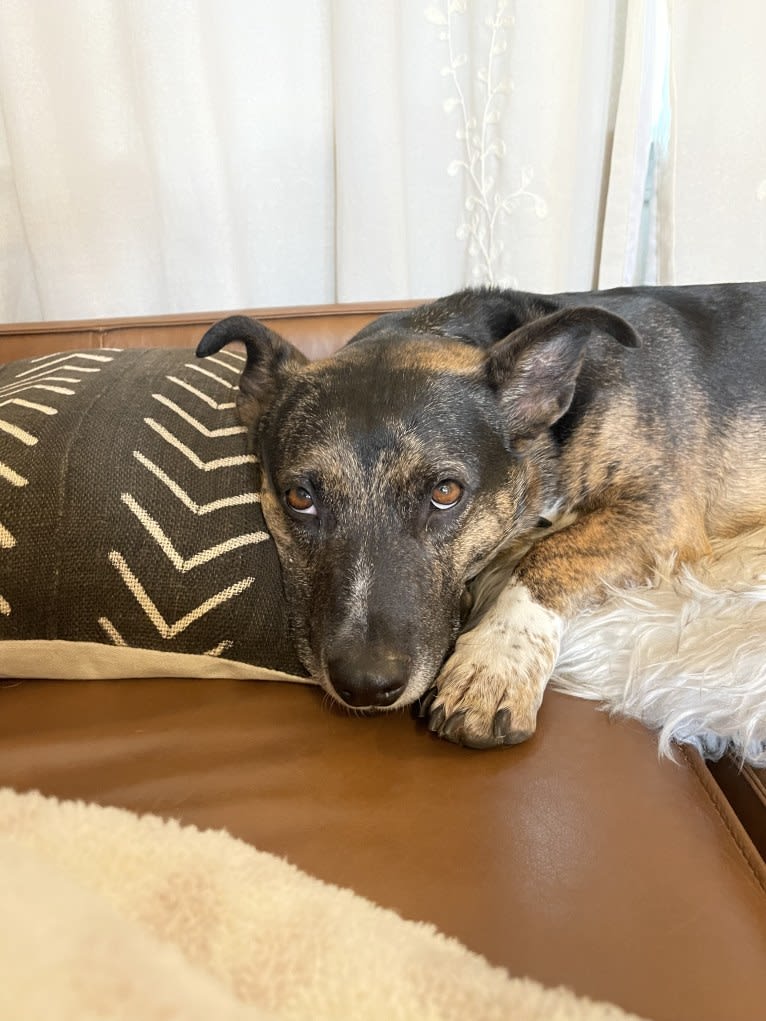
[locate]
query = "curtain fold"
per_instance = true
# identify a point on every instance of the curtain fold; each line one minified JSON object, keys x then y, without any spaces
{"x":628,"y":250}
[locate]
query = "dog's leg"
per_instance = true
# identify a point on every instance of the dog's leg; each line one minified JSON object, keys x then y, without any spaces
{"x":490,"y":689}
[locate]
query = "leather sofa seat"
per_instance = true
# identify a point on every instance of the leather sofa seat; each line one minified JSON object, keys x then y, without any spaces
{"x":578,"y":858}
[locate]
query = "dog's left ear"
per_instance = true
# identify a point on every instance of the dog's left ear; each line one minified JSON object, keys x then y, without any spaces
{"x":534,"y":370}
{"x":268,"y":356}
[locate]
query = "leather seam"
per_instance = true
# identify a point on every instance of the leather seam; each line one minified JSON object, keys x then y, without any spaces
{"x":745,"y":851}
{"x":756,"y":783}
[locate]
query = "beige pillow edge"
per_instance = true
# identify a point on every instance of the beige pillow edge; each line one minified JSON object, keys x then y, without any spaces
{"x":88,"y":661}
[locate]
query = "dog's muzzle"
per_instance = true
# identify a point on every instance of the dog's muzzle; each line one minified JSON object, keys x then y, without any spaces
{"x":368,"y":678}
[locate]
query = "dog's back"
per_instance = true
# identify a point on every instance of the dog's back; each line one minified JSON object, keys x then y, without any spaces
{"x":715,"y":334}
{"x":699,"y":384}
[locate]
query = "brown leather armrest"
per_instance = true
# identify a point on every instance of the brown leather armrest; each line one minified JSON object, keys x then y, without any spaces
{"x":317,"y":330}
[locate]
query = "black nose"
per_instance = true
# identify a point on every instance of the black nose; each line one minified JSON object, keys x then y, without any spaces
{"x":367,"y":679}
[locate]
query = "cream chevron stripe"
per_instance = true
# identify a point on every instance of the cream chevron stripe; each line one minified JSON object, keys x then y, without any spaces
{"x":18,"y":433}
{"x":7,"y":541}
{"x":166,"y":630}
{"x":114,"y":635}
{"x":234,"y":354}
{"x":204,"y":556}
{"x":11,"y":476}
{"x":21,"y":403}
{"x":5,"y":607}
{"x":183,"y":496}
{"x":41,"y":370}
{"x":226,"y":406}
{"x":211,"y":375}
{"x":34,"y":384}
{"x":46,"y":377}
{"x":219,"y":361}
{"x":38,"y":386}
{"x":59,"y":359}
{"x":230,"y":430}
{"x":219,"y":462}
{"x":219,"y":649}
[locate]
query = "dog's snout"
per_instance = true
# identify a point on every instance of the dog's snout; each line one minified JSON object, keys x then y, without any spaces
{"x":367,"y":679}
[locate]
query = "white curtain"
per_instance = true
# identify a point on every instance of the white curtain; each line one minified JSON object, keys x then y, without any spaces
{"x":164,"y":155}
{"x":220,"y":154}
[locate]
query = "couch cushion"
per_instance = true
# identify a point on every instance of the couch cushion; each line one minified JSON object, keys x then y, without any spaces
{"x":577,"y":858}
{"x":131,"y":537}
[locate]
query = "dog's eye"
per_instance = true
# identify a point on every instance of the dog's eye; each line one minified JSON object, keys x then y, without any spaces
{"x":300,"y":500}
{"x":446,"y":494}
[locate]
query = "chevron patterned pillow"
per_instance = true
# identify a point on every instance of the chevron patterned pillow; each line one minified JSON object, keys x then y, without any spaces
{"x":131,"y":538}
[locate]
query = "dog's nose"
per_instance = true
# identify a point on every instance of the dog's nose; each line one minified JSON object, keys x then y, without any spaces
{"x":367,"y":680}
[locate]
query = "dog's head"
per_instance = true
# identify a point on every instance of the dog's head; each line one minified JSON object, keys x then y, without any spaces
{"x":394,"y":470}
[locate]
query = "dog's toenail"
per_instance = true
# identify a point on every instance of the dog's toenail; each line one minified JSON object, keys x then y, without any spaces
{"x":422,"y":707}
{"x":453,"y":728}
{"x":436,"y":719}
{"x":501,"y":724}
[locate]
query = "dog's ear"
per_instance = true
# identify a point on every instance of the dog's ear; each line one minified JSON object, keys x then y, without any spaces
{"x":534,"y":370}
{"x":268,"y":356}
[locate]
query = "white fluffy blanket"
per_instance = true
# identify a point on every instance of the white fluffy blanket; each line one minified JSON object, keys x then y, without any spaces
{"x":109,"y":916}
{"x":686,"y":656}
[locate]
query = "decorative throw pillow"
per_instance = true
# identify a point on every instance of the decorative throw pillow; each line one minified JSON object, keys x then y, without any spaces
{"x":131,"y":536}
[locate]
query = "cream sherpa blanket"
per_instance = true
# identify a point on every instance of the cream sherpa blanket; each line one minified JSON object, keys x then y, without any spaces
{"x":105,"y":915}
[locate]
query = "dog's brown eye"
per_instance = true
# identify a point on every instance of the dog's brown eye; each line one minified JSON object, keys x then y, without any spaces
{"x":300,"y":500}
{"x":446,"y":494}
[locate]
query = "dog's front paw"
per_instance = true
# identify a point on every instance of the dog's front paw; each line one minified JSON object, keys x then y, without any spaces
{"x":490,"y":689}
{"x":481,"y":702}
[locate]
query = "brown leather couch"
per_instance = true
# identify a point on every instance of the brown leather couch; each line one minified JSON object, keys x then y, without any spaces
{"x":578,"y":858}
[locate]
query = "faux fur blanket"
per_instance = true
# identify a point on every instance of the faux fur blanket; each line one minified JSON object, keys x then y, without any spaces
{"x":686,"y":656}
{"x":106,"y":915}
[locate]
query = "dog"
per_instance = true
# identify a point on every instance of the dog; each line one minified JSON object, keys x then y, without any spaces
{"x":463,"y":477}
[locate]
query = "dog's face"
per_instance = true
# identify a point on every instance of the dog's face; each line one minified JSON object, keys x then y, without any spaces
{"x":386,"y":485}
{"x":390,"y":475}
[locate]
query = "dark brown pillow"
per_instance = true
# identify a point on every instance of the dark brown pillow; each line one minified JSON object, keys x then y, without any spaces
{"x":131,"y":536}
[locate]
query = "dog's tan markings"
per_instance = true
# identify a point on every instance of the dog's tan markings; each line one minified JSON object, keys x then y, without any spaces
{"x":610,"y":454}
{"x":611,"y":546}
{"x":636,"y":502}
{"x":404,"y":463}
{"x":490,"y":689}
{"x":737,"y":499}
{"x":271,"y":505}
{"x":489,"y":528}
{"x":440,"y":356}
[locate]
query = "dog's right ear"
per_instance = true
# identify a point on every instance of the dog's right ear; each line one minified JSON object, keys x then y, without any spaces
{"x":268,"y":356}
{"x":534,"y":370}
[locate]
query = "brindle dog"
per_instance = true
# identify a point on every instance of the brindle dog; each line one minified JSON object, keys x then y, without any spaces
{"x":598,"y":431}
